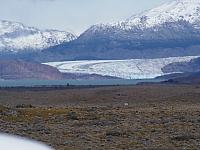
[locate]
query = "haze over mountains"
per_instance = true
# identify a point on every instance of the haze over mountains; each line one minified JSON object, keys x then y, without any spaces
{"x":170,"y":30}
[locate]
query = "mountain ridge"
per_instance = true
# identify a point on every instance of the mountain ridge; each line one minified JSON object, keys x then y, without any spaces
{"x":172,"y":11}
{"x":16,"y":37}
{"x":169,"y":30}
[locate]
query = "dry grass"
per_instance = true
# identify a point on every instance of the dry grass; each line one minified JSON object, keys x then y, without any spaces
{"x":164,"y":120}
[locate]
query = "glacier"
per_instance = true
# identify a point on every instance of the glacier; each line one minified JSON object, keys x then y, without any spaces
{"x":126,"y":69}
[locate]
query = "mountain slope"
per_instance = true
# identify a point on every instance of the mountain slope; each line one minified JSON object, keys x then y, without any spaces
{"x":189,"y":72}
{"x":187,"y":10}
{"x":15,"y":37}
{"x":172,"y":29}
{"x":187,"y":67}
{"x":13,"y":70}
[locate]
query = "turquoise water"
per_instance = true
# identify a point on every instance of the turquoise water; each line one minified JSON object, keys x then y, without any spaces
{"x":32,"y":83}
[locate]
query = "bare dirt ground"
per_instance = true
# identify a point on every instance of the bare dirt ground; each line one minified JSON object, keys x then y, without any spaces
{"x":153,"y":117}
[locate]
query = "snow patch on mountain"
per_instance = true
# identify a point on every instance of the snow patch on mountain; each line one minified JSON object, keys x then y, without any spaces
{"x":127,"y":69}
{"x":15,"y":37}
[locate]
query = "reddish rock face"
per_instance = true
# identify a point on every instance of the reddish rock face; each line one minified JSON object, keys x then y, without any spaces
{"x":26,"y":70}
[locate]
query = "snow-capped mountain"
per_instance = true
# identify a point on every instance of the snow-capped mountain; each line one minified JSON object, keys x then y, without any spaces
{"x":169,"y":30}
{"x":175,"y":11}
{"x":171,"y":20}
{"x":15,"y":37}
{"x":187,"y":10}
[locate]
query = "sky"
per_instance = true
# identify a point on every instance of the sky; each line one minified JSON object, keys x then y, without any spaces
{"x":71,"y":15}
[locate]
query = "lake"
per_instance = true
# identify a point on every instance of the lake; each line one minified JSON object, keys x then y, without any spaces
{"x":35,"y":83}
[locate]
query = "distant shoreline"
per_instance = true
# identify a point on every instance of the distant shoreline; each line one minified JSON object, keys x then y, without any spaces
{"x":71,"y":83}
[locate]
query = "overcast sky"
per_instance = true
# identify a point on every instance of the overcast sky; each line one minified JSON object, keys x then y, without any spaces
{"x":71,"y":15}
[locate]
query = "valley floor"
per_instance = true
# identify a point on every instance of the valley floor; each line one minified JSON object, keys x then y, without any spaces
{"x":118,"y":117}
